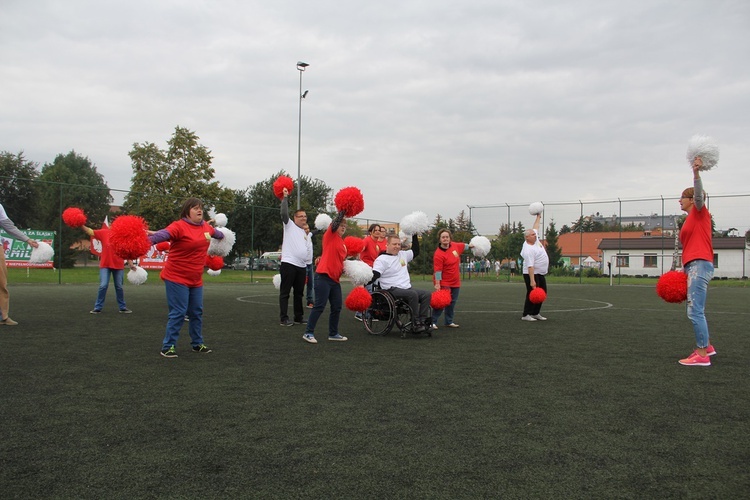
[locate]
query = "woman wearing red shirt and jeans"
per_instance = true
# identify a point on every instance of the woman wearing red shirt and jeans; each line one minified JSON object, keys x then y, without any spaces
{"x":183,"y":274}
{"x":109,"y":265}
{"x":698,"y":264}
{"x":446,"y":264}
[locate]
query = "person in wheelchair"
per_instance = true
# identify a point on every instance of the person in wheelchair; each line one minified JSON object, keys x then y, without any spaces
{"x":391,"y":272}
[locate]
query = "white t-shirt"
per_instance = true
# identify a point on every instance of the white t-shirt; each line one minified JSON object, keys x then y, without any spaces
{"x":393,"y":269}
{"x":294,"y":248}
{"x":535,"y":256}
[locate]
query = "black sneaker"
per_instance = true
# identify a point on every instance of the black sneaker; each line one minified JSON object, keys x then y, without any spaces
{"x":300,"y":322}
{"x":286,"y":322}
{"x":95,"y":311}
{"x":201,"y":348}
{"x":125,"y":311}
{"x":169,"y":353}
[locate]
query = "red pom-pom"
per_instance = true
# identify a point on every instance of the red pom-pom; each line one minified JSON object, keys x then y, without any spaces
{"x":214,"y":262}
{"x":672,"y":287}
{"x":358,"y":299}
{"x":74,"y":217}
{"x":279,"y":184}
{"x":440,"y":299}
{"x":350,"y":201}
{"x":128,"y":237}
{"x":353,"y":245}
{"x":163,"y":246}
{"x":537,"y":296}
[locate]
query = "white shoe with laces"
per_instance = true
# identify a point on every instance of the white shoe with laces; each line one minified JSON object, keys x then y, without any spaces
{"x":528,"y":317}
{"x":539,"y":317}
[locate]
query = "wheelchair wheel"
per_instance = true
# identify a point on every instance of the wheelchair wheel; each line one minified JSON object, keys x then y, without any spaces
{"x":381,"y":316}
{"x":404,"y":318}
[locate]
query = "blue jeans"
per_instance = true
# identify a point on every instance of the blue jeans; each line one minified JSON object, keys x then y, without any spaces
{"x":325,"y":290}
{"x":104,"y":274}
{"x":448,"y":310}
{"x":699,"y":273}
{"x":183,"y":300}
{"x":310,"y":284}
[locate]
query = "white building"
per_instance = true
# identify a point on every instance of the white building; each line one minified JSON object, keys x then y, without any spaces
{"x":653,"y":256}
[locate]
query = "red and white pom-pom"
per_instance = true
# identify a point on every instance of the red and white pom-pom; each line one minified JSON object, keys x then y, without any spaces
{"x":163,"y":246}
{"x":214,"y":262}
{"x":41,"y":254}
{"x":322,"y":221}
{"x":537,"y":295}
{"x":276,"y":281}
{"x":358,"y":299}
{"x":414,"y":223}
{"x":350,"y":201}
{"x":706,"y":148}
{"x":220,"y":220}
{"x":536,"y":208}
{"x":128,"y":237}
{"x":211,"y":272}
{"x":74,"y":217}
{"x":672,"y":287}
{"x":440,"y":299}
{"x":137,"y":276}
{"x":223,"y":246}
{"x":357,"y":271}
{"x":353,"y":245}
{"x":279,"y":184}
{"x":480,"y":246}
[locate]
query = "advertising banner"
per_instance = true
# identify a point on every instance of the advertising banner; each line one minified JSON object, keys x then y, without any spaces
{"x":17,"y":252}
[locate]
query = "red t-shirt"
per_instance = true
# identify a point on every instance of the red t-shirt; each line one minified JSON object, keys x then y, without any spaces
{"x":695,"y":236}
{"x":333,"y":257}
{"x":187,"y":252}
{"x":107,"y":258}
{"x":371,"y":250}
{"x":448,"y":262}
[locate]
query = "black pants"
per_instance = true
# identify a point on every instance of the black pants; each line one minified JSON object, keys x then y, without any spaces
{"x":292,"y":277}
{"x":419,"y":302}
{"x":529,"y":308}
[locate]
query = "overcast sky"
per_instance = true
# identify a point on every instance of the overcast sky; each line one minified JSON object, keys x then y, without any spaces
{"x":423,"y":105}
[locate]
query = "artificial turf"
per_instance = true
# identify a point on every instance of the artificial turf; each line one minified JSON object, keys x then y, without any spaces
{"x":590,"y":403}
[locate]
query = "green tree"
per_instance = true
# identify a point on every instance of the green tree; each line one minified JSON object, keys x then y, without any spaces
{"x":254,"y":214}
{"x":70,"y":181}
{"x":553,"y":249}
{"x":163,"y":179}
{"x":17,"y":188}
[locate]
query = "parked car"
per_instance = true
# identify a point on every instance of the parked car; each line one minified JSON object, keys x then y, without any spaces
{"x":241,"y":263}
{"x":261,"y":264}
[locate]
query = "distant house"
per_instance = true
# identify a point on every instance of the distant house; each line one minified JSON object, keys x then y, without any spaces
{"x":583,"y":248}
{"x":652,"y":256}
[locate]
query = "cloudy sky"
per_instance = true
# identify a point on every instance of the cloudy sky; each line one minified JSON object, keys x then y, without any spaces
{"x":423,"y":105}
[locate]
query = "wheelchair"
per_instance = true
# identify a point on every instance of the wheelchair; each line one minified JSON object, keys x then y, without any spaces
{"x":388,"y":311}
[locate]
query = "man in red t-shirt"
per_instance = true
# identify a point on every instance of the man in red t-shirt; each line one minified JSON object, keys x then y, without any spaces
{"x":109,"y":265}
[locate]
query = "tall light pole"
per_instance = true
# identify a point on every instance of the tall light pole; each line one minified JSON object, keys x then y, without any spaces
{"x":301,"y":66}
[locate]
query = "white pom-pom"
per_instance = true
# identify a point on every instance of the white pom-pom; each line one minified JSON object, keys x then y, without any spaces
{"x":357,"y":271}
{"x":277,"y":281}
{"x":220,"y":220}
{"x":415,"y":223}
{"x":223,"y":246}
{"x":322,"y":221}
{"x":405,"y":239}
{"x":42,"y":254}
{"x":211,"y":272}
{"x":536,"y":208}
{"x":705,"y":147}
{"x":137,"y":276}
{"x":480,"y":246}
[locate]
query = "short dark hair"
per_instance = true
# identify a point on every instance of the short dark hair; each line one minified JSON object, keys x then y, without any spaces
{"x":372,"y":227}
{"x":187,"y":205}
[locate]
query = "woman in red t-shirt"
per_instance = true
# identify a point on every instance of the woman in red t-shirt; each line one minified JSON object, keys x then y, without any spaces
{"x":183,"y":274}
{"x":109,"y":265}
{"x":698,"y":264}
{"x":374,"y":244}
{"x":446,"y":264}
{"x":328,"y":271}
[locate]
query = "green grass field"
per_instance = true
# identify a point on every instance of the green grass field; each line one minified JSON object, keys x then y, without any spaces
{"x":590,"y":404}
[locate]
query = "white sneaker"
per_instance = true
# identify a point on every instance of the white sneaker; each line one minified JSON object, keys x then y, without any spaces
{"x":433,"y":326}
{"x":309,"y":338}
{"x":539,"y":317}
{"x":528,"y":317}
